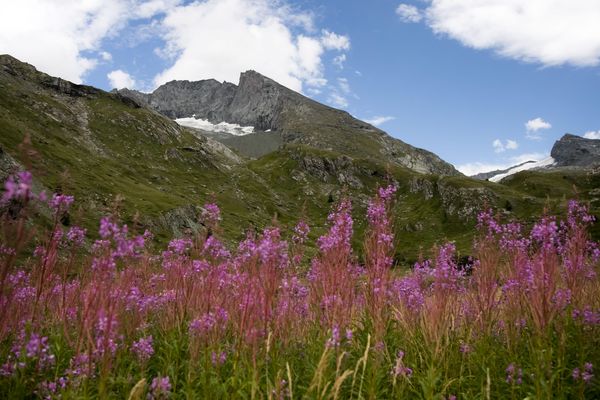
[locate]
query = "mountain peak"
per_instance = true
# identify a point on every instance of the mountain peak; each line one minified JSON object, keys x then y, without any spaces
{"x":576,"y":151}
{"x":268,"y":106}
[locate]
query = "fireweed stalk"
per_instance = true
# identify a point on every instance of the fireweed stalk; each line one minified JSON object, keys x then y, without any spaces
{"x":201,"y":317}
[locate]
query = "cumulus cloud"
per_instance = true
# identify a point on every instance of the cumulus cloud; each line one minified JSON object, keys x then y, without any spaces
{"x":475,"y":168}
{"x":409,"y":13}
{"x":500,"y":147}
{"x":546,"y":32}
{"x":533,"y":127}
{"x":379,"y":119}
{"x":333,"y":41}
{"x":64,"y":37}
{"x":592,"y":135}
{"x":221,"y":38}
{"x":120,"y":79}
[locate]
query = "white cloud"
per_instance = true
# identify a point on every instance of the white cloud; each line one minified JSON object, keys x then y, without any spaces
{"x":106,"y":56}
{"x":339,"y":61}
{"x":120,"y":79}
{"x":546,"y":32}
{"x":535,"y":125}
{"x":333,"y":41}
{"x":60,"y":37}
{"x":474,"y":168}
{"x":511,"y":145}
{"x":337,"y":100}
{"x":379,"y":119}
{"x":339,"y":93}
{"x":409,"y":13}
{"x":221,"y":38}
{"x":500,"y":147}
{"x":592,"y":135}
{"x":344,"y":85}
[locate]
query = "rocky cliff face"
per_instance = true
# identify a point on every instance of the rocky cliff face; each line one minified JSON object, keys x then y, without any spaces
{"x":266,"y":105}
{"x":575,"y":151}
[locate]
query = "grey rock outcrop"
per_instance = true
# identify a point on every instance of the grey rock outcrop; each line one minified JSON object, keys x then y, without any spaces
{"x":575,"y":151}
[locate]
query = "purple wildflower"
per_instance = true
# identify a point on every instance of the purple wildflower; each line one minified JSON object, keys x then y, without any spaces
{"x":143,"y":349}
{"x":160,"y":388}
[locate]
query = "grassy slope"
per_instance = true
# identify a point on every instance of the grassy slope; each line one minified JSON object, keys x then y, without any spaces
{"x":139,"y":155}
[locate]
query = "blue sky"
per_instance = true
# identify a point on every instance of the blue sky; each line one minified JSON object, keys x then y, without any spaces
{"x":483,"y":87}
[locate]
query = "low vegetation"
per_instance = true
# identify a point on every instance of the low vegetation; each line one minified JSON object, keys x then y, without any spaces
{"x":110,"y":318}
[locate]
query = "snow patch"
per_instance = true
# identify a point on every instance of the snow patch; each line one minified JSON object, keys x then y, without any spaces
{"x":538,"y":164}
{"x":224,"y":127}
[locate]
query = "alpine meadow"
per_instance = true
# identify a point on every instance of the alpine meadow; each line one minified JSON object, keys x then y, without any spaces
{"x":192,"y":208}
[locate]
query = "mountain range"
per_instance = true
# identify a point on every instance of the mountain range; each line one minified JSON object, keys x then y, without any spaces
{"x":282,"y":156}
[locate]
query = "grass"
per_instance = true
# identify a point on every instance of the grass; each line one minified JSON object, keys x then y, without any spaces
{"x":433,"y":337}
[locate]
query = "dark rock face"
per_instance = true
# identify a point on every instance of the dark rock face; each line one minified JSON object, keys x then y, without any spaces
{"x":575,"y":151}
{"x":258,"y":101}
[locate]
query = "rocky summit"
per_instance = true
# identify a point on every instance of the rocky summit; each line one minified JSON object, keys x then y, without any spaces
{"x":267,"y":106}
{"x":576,"y":151}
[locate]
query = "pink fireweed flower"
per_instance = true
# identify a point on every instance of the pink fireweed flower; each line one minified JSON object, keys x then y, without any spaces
{"x":76,"y":235}
{"x":340,"y":232}
{"x":514,"y":375}
{"x":334,"y":339}
{"x":386,"y":193}
{"x":399,"y":368}
{"x":465,"y":348}
{"x":211,"y":214}
{"x":143,"y":348}
{"x":60,"y":203}
{"x":349,"y":335}
{"x":301,"y":231}
{"x":180,"y":246}
{"x":585,"y":374}
{"x":271,"y":249}
{"x":208,"y":322}
{"x":218,"y":359}
{"x":215,"y":249}
{"x":487,"y":222}
{"x":81,"y":367}
{"x":160,"y":388}
{"x":18,"y":187}
{"x":545,"y":233}
{"x":446,"y":273}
